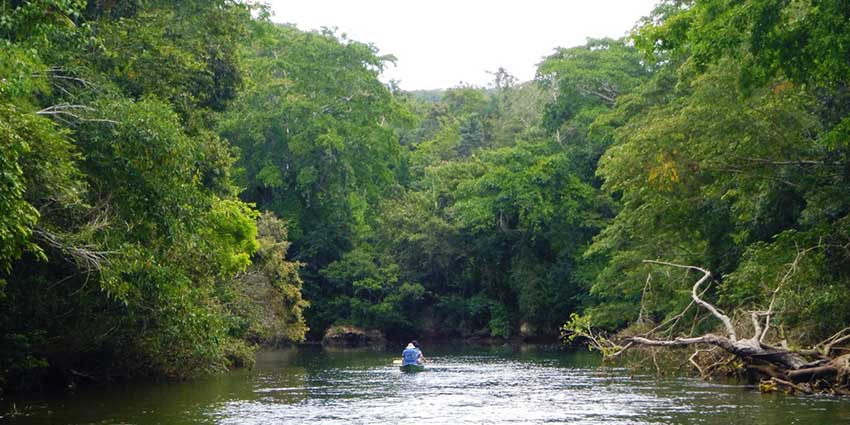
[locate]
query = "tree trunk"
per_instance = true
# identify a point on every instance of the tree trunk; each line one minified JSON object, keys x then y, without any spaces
{"x":807,"y":371}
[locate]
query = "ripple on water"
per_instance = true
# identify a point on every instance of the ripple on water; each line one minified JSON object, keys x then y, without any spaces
{"x":492,"y":389}
{"x":461,"y":386}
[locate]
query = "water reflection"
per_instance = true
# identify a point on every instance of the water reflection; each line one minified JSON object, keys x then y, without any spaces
{"x":462,"y":385}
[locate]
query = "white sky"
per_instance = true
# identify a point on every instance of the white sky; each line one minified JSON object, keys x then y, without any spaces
{"x":440,"y":43}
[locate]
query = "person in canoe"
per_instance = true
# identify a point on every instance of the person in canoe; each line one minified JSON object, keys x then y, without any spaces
{"x":412,"y":355}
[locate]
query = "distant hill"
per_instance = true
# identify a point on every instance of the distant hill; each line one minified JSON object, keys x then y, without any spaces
{"x":432,"y":96}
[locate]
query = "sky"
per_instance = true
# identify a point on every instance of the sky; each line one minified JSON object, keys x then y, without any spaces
{"x":441,"y":43}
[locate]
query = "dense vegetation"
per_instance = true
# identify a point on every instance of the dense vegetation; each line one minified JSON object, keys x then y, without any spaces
{"x":125,"y":248}
{"x":172,"y":172}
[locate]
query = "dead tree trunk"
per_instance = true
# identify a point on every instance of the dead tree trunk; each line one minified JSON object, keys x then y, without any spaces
{"x":790,"y":369}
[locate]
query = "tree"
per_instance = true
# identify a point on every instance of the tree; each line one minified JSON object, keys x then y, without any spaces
{"x":121,"y":235}
{"x":317,"y":134}
{"x":730,"y":159}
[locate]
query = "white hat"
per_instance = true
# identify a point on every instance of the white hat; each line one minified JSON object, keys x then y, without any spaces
{"x":409,"y":346}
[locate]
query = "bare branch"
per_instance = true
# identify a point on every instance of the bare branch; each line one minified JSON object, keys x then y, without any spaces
{"x":54,"y":73}
{"x":710,"y":339}
{"x":65,"y":109}
{"x":788,"y":367}
{"x":792,"y":268}
{"x":773,"y":162}
{"x":675,"y":319}
{"x":692,"y":360}
{"x":62,"y":107}
{"x":827,"y":345}
{"x":727,"y":322}
{"x":622,"y":350}
{"x":646,"y":288}
{"x":791,"y":385}
{"x":86,"y":257}
{"x":757,"y":330}
{"x":609,"y":97}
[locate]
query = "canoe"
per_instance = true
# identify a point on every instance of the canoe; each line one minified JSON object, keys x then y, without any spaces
{"x":412,"y":368}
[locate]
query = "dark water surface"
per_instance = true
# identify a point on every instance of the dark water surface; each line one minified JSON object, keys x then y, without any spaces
{"x":463,"y":385}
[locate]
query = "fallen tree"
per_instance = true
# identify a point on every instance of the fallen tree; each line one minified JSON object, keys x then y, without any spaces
{"x":817,"y":369}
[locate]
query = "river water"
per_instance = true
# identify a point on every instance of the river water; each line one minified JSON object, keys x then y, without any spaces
{"x":462,"y":385}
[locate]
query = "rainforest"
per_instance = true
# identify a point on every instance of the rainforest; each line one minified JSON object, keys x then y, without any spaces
{"x":182,"y":183}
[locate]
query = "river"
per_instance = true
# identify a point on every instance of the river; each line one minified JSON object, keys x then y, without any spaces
{"x":463,"y":385}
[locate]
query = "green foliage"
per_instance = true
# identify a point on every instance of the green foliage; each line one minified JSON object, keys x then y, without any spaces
{"x":34,"y":21}
{"x":580,"y":328}
{"x":318,"y":138}
{"x":500,"y":323}
{"x":123,"y":248}
{"x":191,"y":45}
{"x":17,"y":216}
{"x":266,"y":301}
{"x":729,"y":158}
{"x":232,"y":227}
{"x":717,"y":135}
{"x":314,"y":126}
{"x":804,"y":41}
{"x":367,"y":287}
{"x":495,"y":215}
{"x":147,"y":161}
{"x":37,"y":157}
{"x":588,"y":76}
{"x":587,"y":82}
